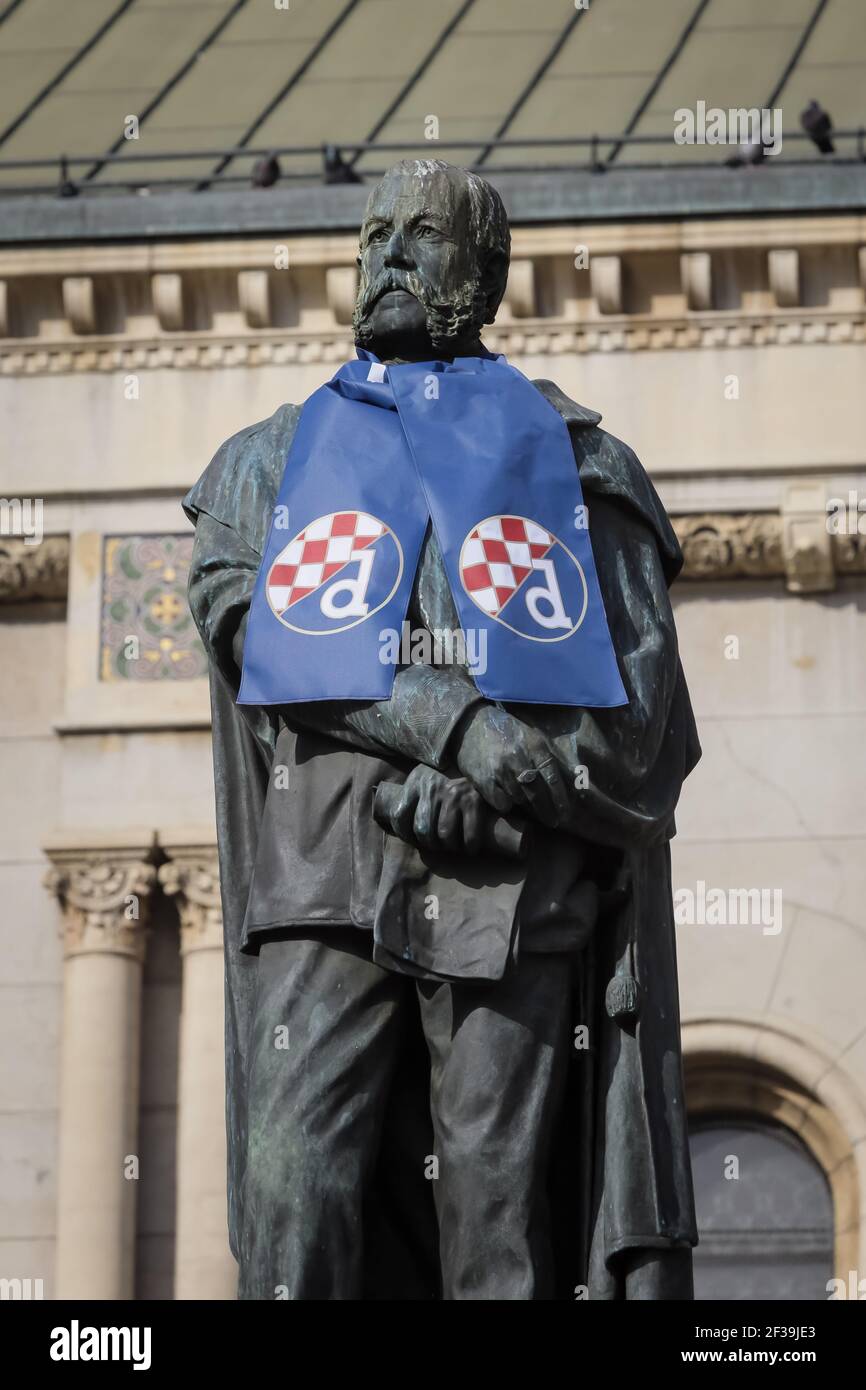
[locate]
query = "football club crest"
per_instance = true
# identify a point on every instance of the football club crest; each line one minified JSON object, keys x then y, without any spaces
{"x":337,"y":572}
{"x":522,"y":575}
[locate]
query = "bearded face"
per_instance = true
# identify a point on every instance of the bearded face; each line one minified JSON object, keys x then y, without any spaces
{"x":422,"y":290}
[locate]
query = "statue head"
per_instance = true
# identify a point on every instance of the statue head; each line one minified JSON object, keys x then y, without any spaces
{"x":434,"y":253}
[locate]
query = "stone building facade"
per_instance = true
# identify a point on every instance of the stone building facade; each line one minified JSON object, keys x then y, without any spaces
{"x":728,"y":348}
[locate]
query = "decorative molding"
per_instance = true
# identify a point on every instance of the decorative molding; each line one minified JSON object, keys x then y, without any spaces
{"x":192,"y":876}
{"x":31,"y":572}
{"x":716,"y":546}
{"x":646,"y":333}
{"x":767,"y":545}
{"x":849,"y":553}
{"x":105,"y":897}
{"x":141,"y":290}
{"x":548,"y":336}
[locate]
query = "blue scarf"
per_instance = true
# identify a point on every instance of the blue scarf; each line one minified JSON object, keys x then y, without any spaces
{"x":378,"y":451}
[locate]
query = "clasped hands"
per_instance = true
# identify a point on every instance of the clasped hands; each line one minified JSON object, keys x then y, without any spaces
{"x":504,"y":766}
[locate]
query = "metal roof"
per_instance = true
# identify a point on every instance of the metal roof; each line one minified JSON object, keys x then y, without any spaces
{"x":213,"y":75}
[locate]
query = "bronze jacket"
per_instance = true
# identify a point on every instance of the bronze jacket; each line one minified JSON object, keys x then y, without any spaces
{"x":329,"y":756}
{"x":298,"y":843}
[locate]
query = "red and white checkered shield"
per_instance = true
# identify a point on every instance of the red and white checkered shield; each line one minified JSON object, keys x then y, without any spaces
{"x":497,"y":557}
{"x":317,"y":553}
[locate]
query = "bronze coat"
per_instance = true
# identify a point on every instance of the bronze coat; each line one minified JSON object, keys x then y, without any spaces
{"x":622,"y":1177}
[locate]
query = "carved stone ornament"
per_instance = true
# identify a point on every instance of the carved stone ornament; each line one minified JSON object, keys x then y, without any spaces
{"x":194,"y":879}
{"x":105,"y":898}
{"x":849,"y":552}
{"x":29,"y":572}
{"x":716,"y":546}
{"x":765,"y":545}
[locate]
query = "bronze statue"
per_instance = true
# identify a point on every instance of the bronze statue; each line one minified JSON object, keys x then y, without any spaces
{"x":453,"y":1059}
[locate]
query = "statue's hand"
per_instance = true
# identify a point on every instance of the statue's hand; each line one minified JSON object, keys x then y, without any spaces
{"x":439,"y":812}
{"x":511,"y":764}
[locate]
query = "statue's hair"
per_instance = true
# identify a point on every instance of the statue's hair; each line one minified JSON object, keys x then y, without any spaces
{"x":488,"y":218}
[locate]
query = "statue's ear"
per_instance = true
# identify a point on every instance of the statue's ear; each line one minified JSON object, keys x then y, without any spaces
{"x":494,"y":278}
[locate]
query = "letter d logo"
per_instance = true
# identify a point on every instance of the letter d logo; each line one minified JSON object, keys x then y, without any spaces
{"x":355,"y":606}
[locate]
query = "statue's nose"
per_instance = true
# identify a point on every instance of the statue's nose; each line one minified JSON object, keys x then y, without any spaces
{"x":397,"y":253}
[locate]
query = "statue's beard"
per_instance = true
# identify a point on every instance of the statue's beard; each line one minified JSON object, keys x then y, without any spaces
{"x":448,"y":325}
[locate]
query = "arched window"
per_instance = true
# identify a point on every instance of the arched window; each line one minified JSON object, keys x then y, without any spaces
{"x":764,"y":1209}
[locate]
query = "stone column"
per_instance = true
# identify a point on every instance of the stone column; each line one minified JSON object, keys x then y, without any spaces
{"x":104,"y":895}
{"x":204,"y":1266}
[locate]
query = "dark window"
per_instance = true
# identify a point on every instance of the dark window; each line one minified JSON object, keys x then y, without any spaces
{"x":768,"y":1232}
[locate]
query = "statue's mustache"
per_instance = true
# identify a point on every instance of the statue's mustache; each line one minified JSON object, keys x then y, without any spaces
{"x":451,"y":311}
{"x":389,"y":280}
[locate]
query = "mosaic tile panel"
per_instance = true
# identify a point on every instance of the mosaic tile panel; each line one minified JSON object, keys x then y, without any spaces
{"x":147,"y":630}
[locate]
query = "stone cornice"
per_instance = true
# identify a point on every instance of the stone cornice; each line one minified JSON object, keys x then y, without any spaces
{"x":574,"y":288}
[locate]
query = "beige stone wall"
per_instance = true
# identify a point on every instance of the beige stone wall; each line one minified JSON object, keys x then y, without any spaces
{"x":670,"y":405}
{"x":777,"y":801}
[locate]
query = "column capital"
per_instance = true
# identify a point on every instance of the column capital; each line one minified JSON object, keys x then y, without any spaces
{"x":105,"y":896}
{"x":192,"y":876}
